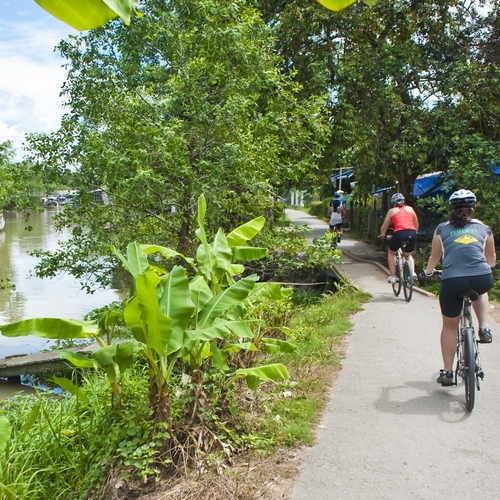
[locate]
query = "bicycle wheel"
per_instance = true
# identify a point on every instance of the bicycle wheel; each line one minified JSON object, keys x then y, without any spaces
{"x":407,"y":281}
{"x":469,"y":370}
{"x":396,"y":287}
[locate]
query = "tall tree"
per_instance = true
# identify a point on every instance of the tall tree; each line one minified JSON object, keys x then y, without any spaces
{"x":386,"y":69}
{"x":188,"y":99}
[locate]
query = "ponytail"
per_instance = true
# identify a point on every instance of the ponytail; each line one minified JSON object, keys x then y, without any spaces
{"x":460,"y":217}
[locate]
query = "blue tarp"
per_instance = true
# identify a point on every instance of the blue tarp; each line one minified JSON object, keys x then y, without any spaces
{"x":432,"y":185}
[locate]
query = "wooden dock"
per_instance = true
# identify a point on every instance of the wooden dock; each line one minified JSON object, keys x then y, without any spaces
{"x":13,"y":367}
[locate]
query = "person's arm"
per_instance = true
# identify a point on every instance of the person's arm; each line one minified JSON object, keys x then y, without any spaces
{"x":386,"y":223}
{"x":489,"y":251}
{"x":415,"y":219}
{"x":435,"y":257}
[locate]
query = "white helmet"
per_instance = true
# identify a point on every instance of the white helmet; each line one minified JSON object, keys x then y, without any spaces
{"x":462,"y":198}
{"x":397,"y":199}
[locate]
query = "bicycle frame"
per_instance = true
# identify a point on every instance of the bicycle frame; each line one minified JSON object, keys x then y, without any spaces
{"x":404,"y":273}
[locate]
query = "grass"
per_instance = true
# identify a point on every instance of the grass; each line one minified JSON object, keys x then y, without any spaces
{"x":64,"y":449}
{"x":291,"y":411}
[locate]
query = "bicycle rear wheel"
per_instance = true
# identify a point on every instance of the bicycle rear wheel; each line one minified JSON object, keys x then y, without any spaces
{"x":469,"y":369}
{"x":407,"y":281}
{"x":396,"y":287}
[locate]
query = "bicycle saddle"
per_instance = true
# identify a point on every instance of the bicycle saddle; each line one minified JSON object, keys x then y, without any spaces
{"x":472,"y":294}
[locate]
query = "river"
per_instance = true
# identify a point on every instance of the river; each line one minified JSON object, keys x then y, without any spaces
{"x":60,"y":297}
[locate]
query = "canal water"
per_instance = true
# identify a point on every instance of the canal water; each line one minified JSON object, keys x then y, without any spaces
{"x":60,"y":297}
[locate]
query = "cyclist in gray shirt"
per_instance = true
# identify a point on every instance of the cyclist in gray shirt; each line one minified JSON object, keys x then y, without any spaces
{"x":468,"y":252}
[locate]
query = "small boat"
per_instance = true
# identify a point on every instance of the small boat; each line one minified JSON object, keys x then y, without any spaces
{"x":2,"y":221}
{"x":50,"y":202}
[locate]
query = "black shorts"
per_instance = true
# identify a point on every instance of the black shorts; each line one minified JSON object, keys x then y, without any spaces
{"x":408,"y":235}
{"x":336,"y":227}
{"x":451,"y":305}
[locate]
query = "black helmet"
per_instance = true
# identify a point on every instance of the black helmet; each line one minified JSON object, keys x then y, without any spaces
{"x":462,"y":198}
{"x":397,"y":199}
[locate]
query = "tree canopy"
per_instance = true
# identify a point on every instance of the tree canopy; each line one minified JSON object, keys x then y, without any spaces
{"x":189,"y":99}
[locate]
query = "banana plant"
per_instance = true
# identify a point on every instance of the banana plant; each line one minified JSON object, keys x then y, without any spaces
{"x":197,"y":318}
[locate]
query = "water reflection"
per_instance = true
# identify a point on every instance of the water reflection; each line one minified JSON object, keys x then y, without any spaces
{"x":33,"y":297}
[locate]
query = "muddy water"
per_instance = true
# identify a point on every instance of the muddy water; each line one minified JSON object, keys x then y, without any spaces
{"x":34,"y":297}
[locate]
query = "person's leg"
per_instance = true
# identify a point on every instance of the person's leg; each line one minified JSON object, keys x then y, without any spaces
{"x":480,"y":307}
{"x":409,"y":256}
{"x":391,"y":259}
{"x":449,"y":341}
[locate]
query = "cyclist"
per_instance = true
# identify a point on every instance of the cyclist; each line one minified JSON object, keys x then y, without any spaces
{"x":336,"y":222}
{"x":405,"y":222}
{"x":468,"y":251}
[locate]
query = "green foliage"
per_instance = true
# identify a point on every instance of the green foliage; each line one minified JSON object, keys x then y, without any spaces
{"x":196,"y":319}
{"x":291,"y":253}
{"x":320,"y":209}
{"x":60,"y":446}
{"x":195,"y":102}
{"x":293,"y":409}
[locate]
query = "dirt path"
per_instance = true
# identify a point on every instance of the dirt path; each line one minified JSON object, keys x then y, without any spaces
{"x":390,"y":431}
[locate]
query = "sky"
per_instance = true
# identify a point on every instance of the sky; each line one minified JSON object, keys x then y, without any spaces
{"x":31,"y":73}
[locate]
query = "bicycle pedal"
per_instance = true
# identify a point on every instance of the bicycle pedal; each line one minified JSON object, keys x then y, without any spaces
{"x":480,"y":374}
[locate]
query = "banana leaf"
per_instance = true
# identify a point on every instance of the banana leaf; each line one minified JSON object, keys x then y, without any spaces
{"x":136,"y":261}
{"x":223,"y":301}
{"x":175,"y":303}
{"x":165,"y":251}
{"x":88,"y":14}
{"x":245,"y":232}
{"x":267,"y":373}
{"x":50,"y":328}
{"x":68,"y":386}
{"x":336,"y":5}
{"x":273,"y":345}
{"x":200,"y":292}
{"x":144,"y":318}
{"x":246,"y":254}
{"x":77,"y":359}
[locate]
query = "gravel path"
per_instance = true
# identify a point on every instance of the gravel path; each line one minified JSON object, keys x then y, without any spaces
{"x":390,"y":431}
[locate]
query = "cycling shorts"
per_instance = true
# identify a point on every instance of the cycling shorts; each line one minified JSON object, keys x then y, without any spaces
{"x":408,"y":235}
{"x":451,"y":305}
{"x":336,"y":227}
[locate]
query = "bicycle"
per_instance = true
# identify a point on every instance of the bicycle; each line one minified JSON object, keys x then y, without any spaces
{"x":336,"y":238}
{"x":404,"y":273}
{"x":468,"y":365}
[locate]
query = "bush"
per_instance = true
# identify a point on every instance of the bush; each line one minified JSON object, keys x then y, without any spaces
{"x":320,"y":209}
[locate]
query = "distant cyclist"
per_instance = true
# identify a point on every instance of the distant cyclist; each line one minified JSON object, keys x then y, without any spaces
{"x":336,"y":222}
{"x":405,"y":222}
{"x":468,"y":251}
{"x":336,"y":212}
{"x":337,"y":203}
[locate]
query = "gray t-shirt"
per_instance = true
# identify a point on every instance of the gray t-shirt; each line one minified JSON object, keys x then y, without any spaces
{"x":463,"y":249}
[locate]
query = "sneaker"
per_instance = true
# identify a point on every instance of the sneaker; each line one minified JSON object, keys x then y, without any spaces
{"x":445,"y":378}
{"x":392,"y":279}
{"x":485,"y":336}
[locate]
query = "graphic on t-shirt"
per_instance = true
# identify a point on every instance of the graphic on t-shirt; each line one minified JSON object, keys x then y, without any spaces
{"x":466,"y":239}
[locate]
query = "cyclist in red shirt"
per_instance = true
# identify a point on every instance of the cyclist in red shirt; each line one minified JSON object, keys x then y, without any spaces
{"x":405,"y":222}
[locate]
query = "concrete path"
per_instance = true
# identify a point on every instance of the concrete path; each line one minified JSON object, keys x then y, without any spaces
{"x":389,"y":430}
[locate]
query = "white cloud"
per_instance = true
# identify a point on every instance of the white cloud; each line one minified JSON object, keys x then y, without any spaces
{"x":31,"y":78}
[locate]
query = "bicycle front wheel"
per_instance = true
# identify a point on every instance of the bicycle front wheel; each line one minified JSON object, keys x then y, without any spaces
{"x":469,"y":369}
{"x":407,"y":281}
{"x":396,"y":287}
